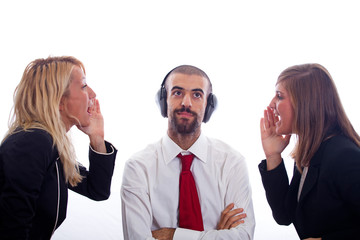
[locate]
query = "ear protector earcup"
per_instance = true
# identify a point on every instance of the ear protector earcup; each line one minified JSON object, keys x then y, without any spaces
{"x":210,"y":107}
{"x":161,"y":101}
{"x":161,"y":98}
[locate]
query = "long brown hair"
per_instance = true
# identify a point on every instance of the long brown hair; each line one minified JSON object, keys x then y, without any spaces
{"x":36,"y":105}
{"x":318,"y":111}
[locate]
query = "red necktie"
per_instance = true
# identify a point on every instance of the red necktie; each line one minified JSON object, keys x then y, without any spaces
{"x":189,"y":207}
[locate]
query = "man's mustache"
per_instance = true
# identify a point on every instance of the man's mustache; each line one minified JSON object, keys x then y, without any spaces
{"x":185,"y":109}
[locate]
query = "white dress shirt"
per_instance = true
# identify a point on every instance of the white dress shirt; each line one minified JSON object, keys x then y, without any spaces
{"x":150,"y":190}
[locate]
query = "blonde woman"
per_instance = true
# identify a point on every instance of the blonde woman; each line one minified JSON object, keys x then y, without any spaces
{"x":323,"y":198}
{"x":37,"y":160}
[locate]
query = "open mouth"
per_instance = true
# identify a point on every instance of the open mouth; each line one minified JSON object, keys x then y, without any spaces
{"x":276,"y":114}
{"x":90,"y":106}
{"x":277,"y":117}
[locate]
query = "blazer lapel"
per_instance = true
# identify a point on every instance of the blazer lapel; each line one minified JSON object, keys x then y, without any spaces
{"x":313,"y":172}
{"x":310,"y":181}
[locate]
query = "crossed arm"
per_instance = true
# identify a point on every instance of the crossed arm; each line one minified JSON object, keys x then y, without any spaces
{"x":229,"y":218}
{"x":150,"y":212}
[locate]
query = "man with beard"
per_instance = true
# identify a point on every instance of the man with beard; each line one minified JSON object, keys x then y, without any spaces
{"x":187,"y":186}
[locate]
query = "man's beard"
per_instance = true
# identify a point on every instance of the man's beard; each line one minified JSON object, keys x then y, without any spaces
{"x":185,"y":127}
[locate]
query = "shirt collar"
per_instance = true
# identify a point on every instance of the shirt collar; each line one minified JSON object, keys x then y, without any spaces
{"x":170,"y":149}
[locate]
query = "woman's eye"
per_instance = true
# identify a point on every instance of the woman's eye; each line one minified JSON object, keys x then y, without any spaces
{"x":84,"y":86}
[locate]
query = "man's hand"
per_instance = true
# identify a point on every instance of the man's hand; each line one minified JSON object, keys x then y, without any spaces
{"x":231,"y":217}
{"x":164,"y":233}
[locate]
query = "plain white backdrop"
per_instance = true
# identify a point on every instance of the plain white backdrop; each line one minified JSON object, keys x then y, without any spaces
{"x":129,"y":46}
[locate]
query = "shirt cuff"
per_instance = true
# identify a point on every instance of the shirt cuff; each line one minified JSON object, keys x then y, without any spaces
{"x":108,"y":153}
{"x":183,"y":233}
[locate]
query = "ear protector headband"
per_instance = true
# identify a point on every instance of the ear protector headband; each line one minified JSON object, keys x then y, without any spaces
{"x":161,"y":98}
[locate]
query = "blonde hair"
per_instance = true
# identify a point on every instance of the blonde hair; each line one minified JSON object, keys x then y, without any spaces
{"x":36,"y":105}
{"x":318,"y":111}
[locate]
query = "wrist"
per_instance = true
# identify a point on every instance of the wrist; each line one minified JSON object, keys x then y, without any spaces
{"x":98,"y":144}
{"x":272,"y":161}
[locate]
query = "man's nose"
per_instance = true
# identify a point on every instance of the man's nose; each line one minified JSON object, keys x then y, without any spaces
{"x":186,"y":102}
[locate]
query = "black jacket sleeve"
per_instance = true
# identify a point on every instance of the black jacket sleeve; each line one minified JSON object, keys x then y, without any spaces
{"x":276,"y":185}
{"x":97,"y":181}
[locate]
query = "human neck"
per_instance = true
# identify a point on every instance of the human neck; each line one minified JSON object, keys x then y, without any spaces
{"x":184,"y":141}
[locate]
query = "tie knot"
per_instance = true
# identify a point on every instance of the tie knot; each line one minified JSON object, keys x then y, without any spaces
{"x":186,"y":161}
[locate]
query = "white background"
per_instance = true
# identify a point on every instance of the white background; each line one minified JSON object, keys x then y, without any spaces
{"x":129,"y":46}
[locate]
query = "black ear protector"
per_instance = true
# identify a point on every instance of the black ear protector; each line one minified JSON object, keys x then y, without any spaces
{"x":161,"y":98}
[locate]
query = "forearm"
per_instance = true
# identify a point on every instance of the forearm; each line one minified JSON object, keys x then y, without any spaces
{"x":239,"y":226}
{"x":164,"y":234}
{"x":97,"y":143}
{"x":97,"y":181}
{"x":276,"y":185}
{"x":238,"y":233}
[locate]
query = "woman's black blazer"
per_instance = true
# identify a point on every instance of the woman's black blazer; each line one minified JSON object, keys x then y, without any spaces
{"x":33,"y":191}
{"x":329,"y":204}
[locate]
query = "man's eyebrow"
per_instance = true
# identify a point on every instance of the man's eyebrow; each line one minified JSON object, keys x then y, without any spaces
{"x":193,"y":90}
{"x":197,"y":90}
{"x":177,"y":87}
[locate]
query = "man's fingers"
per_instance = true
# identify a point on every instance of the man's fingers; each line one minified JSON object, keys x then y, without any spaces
{"x":228,"y":208}
{"x":223,"y":218}
{"x":229,"y":217}
{"x":236,"y":224}
{"x":234,"y":221}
